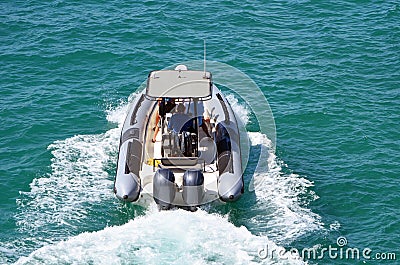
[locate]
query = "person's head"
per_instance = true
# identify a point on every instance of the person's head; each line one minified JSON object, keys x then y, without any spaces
{"x":180,"y":108}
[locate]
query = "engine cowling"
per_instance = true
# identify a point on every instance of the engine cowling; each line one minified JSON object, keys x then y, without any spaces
{"x":164,"y":188}
{"x":193,"y":187}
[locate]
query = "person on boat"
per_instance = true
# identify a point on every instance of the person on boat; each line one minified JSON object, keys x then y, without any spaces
{"x":164,"y":106}
{"x":180,"y":121}
{"x":205,"y":122}
{"x":204,"y":117}
{"x":181,"y":125}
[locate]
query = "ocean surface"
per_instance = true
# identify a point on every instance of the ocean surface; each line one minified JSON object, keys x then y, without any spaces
{"x":330,"y":71}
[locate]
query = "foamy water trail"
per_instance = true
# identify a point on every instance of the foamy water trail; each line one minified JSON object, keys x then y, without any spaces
{"x":241,"y":111}
{"x":280,"y":210}
{"x":63,"y":201}
{"x":167,"y":237}
{"x":279,"y":196}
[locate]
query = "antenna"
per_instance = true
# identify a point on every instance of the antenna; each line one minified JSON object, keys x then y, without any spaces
{"x":204,"y":57}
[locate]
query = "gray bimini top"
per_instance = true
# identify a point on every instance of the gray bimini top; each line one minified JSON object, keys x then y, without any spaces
{"x":179,"y":84}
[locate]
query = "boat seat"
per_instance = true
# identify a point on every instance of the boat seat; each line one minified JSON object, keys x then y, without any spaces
{"x":182,"y":163}
{"x":179,"y":161}
{"x":167,"y":143}
{"x":171,"y":144}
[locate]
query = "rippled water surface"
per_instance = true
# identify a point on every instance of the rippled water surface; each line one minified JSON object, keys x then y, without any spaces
{"x":330,"y":72}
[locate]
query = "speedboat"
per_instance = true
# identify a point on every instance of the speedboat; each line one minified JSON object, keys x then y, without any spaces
{"x":179,"y":144}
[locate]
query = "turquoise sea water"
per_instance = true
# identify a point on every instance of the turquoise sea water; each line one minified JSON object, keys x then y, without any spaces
{"x":329,"y":70}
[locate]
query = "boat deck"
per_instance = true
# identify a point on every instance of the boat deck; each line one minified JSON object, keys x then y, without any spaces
{"x":209,"y":168}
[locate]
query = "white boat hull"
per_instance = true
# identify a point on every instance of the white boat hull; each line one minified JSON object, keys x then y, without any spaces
{"x":150,"y":172}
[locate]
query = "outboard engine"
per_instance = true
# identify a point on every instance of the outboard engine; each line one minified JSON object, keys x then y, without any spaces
{"x":193,"y":188}
{"x":164,"y":188}
{"x":127,"y":187}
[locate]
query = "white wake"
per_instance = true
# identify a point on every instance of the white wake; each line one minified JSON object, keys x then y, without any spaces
{"x":64,"y":200}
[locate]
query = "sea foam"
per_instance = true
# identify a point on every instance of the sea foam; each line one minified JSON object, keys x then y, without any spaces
{"x":63,"y":201}
{"x":166,"y":237}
